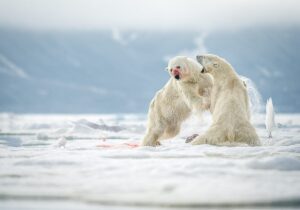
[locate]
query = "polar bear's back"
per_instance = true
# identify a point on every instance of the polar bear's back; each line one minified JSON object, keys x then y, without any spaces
{"x":232,"y":114}
{"x":233,"y":101}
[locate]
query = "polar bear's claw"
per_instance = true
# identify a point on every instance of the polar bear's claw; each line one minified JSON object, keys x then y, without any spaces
{"x":191,"y":138}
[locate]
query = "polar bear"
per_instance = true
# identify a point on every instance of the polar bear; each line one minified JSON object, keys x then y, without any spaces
{"x":187,"y":90}
{"x":229,"y":106}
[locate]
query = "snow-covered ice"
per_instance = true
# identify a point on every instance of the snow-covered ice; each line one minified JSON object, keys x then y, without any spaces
{"x":63,"y":162}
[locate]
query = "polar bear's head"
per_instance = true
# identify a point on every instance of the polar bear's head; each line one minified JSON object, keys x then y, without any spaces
{"x":183,"y":68}
{"x":214,"y":64}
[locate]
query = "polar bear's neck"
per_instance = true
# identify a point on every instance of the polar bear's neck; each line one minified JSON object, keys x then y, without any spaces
{"x":225,"y":74}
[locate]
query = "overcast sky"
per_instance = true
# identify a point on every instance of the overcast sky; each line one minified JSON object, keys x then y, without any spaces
{"x":148,"y":14}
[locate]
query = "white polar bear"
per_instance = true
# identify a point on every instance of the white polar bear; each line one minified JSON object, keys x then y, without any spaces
{"x":188,"y":89}
{"x":229,"y":106}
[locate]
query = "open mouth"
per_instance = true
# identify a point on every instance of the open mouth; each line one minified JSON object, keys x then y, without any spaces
{"x":176,"y":74}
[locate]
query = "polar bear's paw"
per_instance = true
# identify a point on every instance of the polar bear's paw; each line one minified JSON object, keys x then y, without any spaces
{"x":210,"y":137}
{"x":191,"y":138}
{"x":151,"y":143}
{"x":200,"y":140}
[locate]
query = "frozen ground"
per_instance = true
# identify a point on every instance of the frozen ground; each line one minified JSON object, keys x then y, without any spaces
{"x":55,"y":162}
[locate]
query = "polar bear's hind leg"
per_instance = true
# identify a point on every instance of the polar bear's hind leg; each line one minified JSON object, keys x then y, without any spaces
{"x":247,"y":135}
{"x":152,"y":137}
{"x":171,"y":131}
{"x":213,"y":136}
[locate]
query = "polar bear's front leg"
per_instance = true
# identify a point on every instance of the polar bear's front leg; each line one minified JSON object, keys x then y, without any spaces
{"x":194,"y":100}
{"x":206,"y":100}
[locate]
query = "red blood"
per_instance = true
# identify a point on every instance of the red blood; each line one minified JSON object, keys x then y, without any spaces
{"x":104,"y":145}
{"x":132,"y":145}
{"x":124,"y":145}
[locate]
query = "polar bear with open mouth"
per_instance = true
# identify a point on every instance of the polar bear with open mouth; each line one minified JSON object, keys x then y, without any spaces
{"x":187,"y":89}
{"x":229,"y":106}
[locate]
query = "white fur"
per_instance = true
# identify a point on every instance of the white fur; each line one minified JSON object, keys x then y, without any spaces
{"x":174,"y":102}
{"x":229,"y":106}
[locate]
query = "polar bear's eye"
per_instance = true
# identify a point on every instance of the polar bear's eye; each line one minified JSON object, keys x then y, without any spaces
{"x":216,"y":65}
{"x":177,"y":67}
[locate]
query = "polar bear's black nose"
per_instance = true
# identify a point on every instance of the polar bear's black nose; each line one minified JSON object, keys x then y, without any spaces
{"x":177,"y":77}
{"x":203,"y":70}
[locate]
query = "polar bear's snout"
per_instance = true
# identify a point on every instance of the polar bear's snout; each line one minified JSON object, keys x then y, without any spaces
{"x":200,"y":59}
{"x":176,"y":72}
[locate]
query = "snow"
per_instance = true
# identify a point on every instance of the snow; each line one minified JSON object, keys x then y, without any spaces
{"x":57,"y":162}
{"x":270,"y":117}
